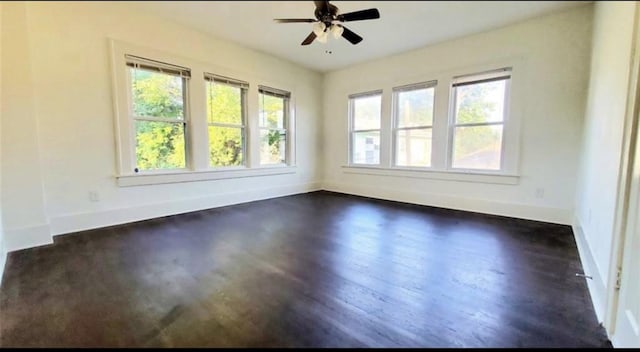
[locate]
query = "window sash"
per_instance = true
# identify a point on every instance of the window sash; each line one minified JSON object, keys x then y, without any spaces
{"x":396,"y":121}
{"x":243,"y":136}
{"x":409,"y":88}
{"x":285,"y":112}
{"x":503,"y":74}
{"x":163,"y":68}
{"x":501,"y":151}
{"x":352,"y":149}
{"x":135,"y":145}
{"x":281,"y":131}
{"x":395,"y":148}
{"x":352,"y":111}
{"x":243,"y":106}
{"x":353,"y":131}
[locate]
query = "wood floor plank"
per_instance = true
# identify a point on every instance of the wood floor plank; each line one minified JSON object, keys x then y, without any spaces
{"x":314,"y":270}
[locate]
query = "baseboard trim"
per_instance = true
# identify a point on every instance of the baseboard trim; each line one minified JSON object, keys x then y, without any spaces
{"x":27,"y":237}
{"x":597,"y":287}
{"x":521,"y":211}
{"x":87,"y":221}
{"x":3,"y":261}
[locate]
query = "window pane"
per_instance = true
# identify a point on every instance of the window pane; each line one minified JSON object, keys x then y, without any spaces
{"x":225,"y":146}
{"x":480,"y":102}
{"x":366,"y":112}
{"x":156,"y":94}
{"x":224,"y":103}
{"x":271,"y":113}
{"x":366,"y":148}
{"x":273,"y":147}
{"x":477,"y":147}
{"x":415,"y":107}
{"x":160,"y":145}
{"x":413,"y":147}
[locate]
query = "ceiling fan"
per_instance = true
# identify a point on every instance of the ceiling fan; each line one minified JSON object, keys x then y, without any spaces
{"x":328,"y":19}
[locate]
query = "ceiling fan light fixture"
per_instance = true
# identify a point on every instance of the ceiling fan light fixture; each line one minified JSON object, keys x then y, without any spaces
{"x":322,"y":38}
{"x":337,"y":30}
{"x":318,"y":28}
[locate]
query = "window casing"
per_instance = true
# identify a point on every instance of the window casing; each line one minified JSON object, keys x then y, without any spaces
{"x":159,"y":114}
{"x":413,"y":113}
{"x":482,"y":146}
{"x":189,"y":125}
{"x":273,"y":124}
{"x":365,"y":114}
{"x":479,"y":110}
{"x":227,"y":121}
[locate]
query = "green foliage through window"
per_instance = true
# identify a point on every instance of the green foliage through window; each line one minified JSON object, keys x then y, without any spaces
{"x":159,"y":144}
{"x":226,"y":132}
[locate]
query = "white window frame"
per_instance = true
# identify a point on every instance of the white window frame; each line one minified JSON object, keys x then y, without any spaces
{"x":287,"y":124}
{"x":197,"y":142}
{"x":474,"y":78}
{"x":509,"y":174}
{"x":396,"y":121}
{"x":353,"y":131}
{"x":184,"y":73}
{"x":211,"y":78}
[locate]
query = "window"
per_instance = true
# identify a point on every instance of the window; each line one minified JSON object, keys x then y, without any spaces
{"x":159,"y":113}
{"x":478,"y":120}
{"x":413,"y":122}
{"x":273,"y":122}
{"x":365,"y":113}
{"x":226,"y":116}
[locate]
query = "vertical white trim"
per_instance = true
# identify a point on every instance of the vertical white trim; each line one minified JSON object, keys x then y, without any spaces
{"x":3,"y":261}
{"x":596,"y":285}
{"x":629,"y":159}
{"x":386,"y":126}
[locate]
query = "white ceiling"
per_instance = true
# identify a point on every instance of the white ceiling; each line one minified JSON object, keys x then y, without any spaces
{"x":403,"y":25}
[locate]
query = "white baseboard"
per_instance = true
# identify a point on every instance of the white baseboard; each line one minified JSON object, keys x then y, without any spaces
{"x":86,"y":221}
{"x":3,"y":260}
{"x":27,"y":237}
{"x":597,"y":287}
{"x":516,"y":210}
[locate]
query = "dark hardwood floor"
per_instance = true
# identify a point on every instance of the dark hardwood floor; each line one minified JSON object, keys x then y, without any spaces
{"x":318,"y":269}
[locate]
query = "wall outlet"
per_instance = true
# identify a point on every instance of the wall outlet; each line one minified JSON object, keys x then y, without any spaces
{"x":94,"y":196}
{"x":540,"y":193}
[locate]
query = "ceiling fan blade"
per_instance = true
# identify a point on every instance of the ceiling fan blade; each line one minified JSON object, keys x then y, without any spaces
{"x":370,"y":14}
{"x":308,"y":40}
{"x":294,"y":20}
{"x":350,"y":36}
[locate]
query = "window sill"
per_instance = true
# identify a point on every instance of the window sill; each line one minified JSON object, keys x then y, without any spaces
{"x":459,"y":176}
{"x":205,"y":175}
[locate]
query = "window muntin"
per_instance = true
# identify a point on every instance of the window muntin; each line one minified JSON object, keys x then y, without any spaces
{"x":158,"y":93}
{"x":226,"y":119}
{"x":365,"y":121}
{"x":479,"y":114}
{"x":413,"y":124}
{"x":273,"y":120}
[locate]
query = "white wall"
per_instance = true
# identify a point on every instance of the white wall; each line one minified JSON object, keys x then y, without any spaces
{"x":552,"y":53}
{"x":62,"y":141}
{"x":3,"y":254}
{"x":602,"y":142}
{"x":23,"y":215}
